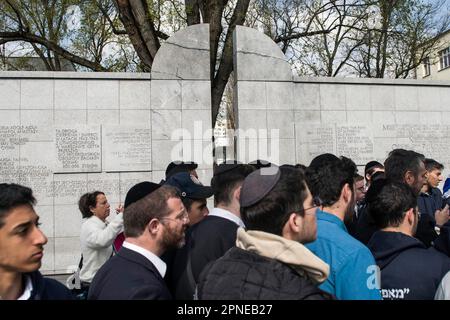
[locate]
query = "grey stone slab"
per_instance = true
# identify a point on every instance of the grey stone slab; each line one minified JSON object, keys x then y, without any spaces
{"x":78,"y":149}
{"x":69,"y":117}
{"x":46,"y":219}
{"x":382,"y":147}
{"x":267,"y":149}
{"x":406,"y":117}
{"x":306,"y":96}
{"x":68,"y":221}
{"x":164,"y":152}
{"x":36,"y":94}
{"x":73,"y":75}
{"x":445,"y":99}
{"x":357,"y":97}
{"x":103,"y":116}
{"x":41,"y":118}
{"x":70,"y":94}
{"x":257,"y":57}
{"x":333,"y":117}
{"x":359,"y":117}
{"x":108,"y":182}
{"x":158,"y":175}
{"x":197,"y":124}
{"x":185,"y":55}
{"x":68,"y":188}
{"x":430,"y":99}
{"x":9,"y":117}
{"x":252,"y":119}
{"x":67,"y":253}
{"x":48,"y":260}
{"x":166,"y":94}
{"x":10,"y":93}
{"x":406,"y":98}
{"x":199,"y":151}
{"x":138,"y":117}
{"x":374,"y":81}
{"x":432,"y":118}
{"x":129,"y":179}
{"x":306,"y":116}
{"x":134,"y":94}
{"x":283,"y":121}
{"x":332,"y":97}
{"x":251,"y":95}
{"x":380,"y":121}
{"x":286,"y":151}
{"x":165,"y":124}
{"x":126,"y":148}
{"x":196,"y":95}
{"x":103,"y":94}
{"x":382,"y":97}
{"x":279,"y":95}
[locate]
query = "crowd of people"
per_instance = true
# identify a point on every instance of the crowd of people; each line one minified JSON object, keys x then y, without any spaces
{"x":316,"y":232}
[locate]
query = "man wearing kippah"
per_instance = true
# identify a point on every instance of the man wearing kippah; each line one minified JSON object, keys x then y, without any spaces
{"x":216,"y":233}
{"x":269,"y":260}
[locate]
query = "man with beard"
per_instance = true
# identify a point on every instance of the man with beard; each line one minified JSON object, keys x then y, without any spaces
{"x":152,"y":225}
{"x":409,"y":270}
{"x":352,"y":265}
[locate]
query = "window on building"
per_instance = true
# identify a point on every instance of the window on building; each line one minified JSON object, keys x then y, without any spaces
{"x":444,"y":58}
{"x":426,"y":66}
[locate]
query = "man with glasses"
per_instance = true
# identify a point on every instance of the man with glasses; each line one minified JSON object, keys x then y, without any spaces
{"x":352,"y":265}
{"x":152,"y":225}
{"x":270,"y":260}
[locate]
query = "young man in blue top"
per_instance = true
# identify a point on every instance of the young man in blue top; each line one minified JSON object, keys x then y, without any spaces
{"x":353,"y":271}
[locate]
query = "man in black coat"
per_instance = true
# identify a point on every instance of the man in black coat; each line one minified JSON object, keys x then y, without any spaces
{"x":269,"y":260}
{"x":409,"y":270}
{"x":22,"y":248}
{"x":152,"y":225}
{"x":209,"y":239}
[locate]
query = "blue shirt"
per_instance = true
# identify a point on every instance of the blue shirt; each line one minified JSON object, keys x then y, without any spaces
{"x":353,"y":272}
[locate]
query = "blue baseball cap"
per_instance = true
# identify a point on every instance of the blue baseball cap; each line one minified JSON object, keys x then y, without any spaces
{"x":189,"y":186}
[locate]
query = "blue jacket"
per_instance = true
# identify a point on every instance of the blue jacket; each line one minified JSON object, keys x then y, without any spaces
{"x":48,"y":289}
{"x":352,"y":266}
{"x":409,"y":270}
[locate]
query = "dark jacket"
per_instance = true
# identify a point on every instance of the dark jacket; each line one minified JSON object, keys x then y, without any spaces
{"x":409,"y":270}
{"x":48,"y":289}
{"x":127,"y":276}
{"x":244,"y":275}
{"x":430,"y":202}
{"x":206,"y":241}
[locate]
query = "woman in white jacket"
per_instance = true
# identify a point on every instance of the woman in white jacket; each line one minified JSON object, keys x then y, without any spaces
{"x":97,"y":235}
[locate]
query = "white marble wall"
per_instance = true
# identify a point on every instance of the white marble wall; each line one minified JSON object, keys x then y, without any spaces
{"x":173,"y":98}
{"x":269,"y":98}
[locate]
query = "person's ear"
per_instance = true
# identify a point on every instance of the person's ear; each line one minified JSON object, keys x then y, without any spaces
{"x":237,"y":193}
{"x":410,"y":216}
{"x":409,"y":177}
{"x":295,"y":222}
{"x":347,"y":193}
{"x":153,"y":226}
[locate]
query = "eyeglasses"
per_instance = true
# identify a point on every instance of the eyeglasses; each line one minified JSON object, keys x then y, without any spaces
{"x":317,"y":203}
{"x":181,"y":217}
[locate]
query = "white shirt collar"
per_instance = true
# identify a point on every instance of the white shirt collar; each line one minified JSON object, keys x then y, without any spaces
{"x":218,"y":212}
{"x":28,"y":288}
{"x":154,"y":259}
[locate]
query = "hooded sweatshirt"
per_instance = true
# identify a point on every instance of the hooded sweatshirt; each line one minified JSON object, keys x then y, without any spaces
{"x":409,"y":271}
{"x":47,"y":289}
{"x":264,"y":266}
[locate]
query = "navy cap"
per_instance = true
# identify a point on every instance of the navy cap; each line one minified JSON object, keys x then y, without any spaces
{"x":189,"y":186}
{"x":179,"y":166}
{"x":139,"y":191}
{"x":258,"y":184}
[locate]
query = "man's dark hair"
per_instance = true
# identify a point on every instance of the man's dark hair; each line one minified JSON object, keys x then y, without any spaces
{"x":223,"y":184}
{"x":431,"y":164}
{"x":387,"y":202}
{"x":179,"y":166}
{"x":400,"y":161}
{"x":13,"y":195}
{"x":137,"y":216}
{"x":272,"y":212}
{"x":327,"y":175}
{"x":370,"y":167}
{"x":87,"y":201}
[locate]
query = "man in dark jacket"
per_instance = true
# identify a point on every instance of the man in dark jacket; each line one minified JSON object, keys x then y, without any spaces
{"x":21,"y":249}
{"x":215,"y":234}
{"x":409,"y":270}
{"x":152,"y":225}
{"x":269,"y":260}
